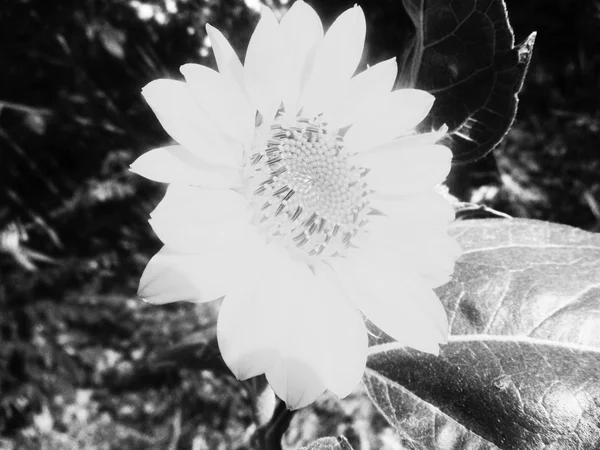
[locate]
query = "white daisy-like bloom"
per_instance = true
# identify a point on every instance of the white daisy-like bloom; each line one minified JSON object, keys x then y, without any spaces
{"x":302,"y":195}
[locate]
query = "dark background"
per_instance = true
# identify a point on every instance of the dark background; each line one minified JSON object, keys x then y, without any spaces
{"x":78,"y":366}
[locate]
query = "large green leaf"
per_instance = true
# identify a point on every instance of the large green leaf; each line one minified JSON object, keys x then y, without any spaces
{"x":463,"y":52}
{"x":522,"y":366}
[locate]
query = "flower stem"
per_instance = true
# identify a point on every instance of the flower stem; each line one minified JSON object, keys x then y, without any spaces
{"x":272,"y":434}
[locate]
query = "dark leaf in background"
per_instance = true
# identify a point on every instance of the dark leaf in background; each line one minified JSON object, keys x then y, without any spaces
{"x":197,"y":351}
{"x":194,"y":355}
{"x":521,"y":369}
{"x":463,"y":52}
{"x":469,"y":211}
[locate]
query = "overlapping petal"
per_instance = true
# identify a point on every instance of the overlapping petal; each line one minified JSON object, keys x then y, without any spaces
{"x":391,"y":116}
{"x":335,"y":62}
{"x":404,"y":170}
{"x":342,"y":331}
{"x":362,"y":93}
{"x":228,"y":108}
{"x":429,"y":208}
{"x":256,"y":322}
{"x":188,"y":123}
{"x":305,"y":339}
{"x":192,"y":219}
{"x":423,"y":246}
{"x":323,"y":344}
{"x":301,"y":31}
{"x":263,"y":69}
{"x":395,"y":299}
{"x":227,"y":60}
{"x":177,"y":164}
{"x":249,"y":324}
{"x":171,"y":276}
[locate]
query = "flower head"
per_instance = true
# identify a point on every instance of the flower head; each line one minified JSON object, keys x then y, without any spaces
{"x":302,"y":195}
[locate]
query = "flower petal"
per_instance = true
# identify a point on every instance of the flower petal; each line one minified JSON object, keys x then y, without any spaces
{"x":176,"y":164}
{"x":182,"y":201}
{"x":297,"y":376}
{"x":324,"y":342}
{"x":252,"y":322}
{"x":295,"y":326}
{"x":262,"y":68}
{"x":249,"y":324}
{"x":395,"y":299}
{"x":415,"y":139}
{"x":183,"y":118}
{"x":295,"y":382}
{"x":227,"y":107}
{"x":427,"y":208}
{"x":171,"y":276}
{"x":227,"y":61}
{"x":391,"y":116}
{"x":362,"y":92}
{"x":424,"y":247}
{"x":341,"y":329}
{"x":405,"y":170}
{"x":192,"y":219}
{"x":335,"y":62}
{"x":301,"y":30}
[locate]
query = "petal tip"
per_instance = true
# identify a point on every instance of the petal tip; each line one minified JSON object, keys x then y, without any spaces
{"x":210,"y":29}
{"x":266,"y":11}
{"x":186,"y":68}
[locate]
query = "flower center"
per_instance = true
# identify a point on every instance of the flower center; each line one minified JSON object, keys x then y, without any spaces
{"x":305,"y":190}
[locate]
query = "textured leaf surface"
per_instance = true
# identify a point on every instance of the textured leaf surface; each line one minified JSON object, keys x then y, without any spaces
{"x":522,"y":367}
{"x":463,"y":52}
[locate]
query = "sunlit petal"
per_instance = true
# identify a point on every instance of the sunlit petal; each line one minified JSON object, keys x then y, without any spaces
{"x":301,"y":31}
{"x":341,"y":329}
{"x":423,"y":246}
{"x":227,"y":107}
{"x":227,"y":61}
{"x":405,"y":170}
{"x":262,"y":68}
{"x":171,"y":276}
{"x":428,"y":207}
{"x":397,"y":301}
{"x":183,"y":118}
{"x":393,"y":115}
{"x":193,"y":219}
{"x":177,"y":164}
{"x":362,"y":93}
{"x":299,"y":374}
{"x":249,"y":325}
{"x":335,"y":61}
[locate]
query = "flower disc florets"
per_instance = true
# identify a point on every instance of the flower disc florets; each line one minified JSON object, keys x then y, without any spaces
{"x":305,"y":190}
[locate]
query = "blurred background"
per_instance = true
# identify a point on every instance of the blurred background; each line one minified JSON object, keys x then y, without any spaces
{"x":84,"y":363}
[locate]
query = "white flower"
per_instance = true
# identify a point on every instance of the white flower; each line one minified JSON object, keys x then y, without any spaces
{"x":303,"y":196}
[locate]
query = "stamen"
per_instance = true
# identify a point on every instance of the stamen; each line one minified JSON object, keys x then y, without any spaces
{"x":311,"y":219}
{"x":256,"y":159}
{"x":296,"y":213}
{"x":279,"y":171}
{"x":280,"y":191}
{"x":279,"y":209}
{"x":288,"y":196}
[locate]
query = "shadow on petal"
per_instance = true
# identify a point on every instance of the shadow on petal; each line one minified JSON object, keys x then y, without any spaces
{"x":295,"y":382}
